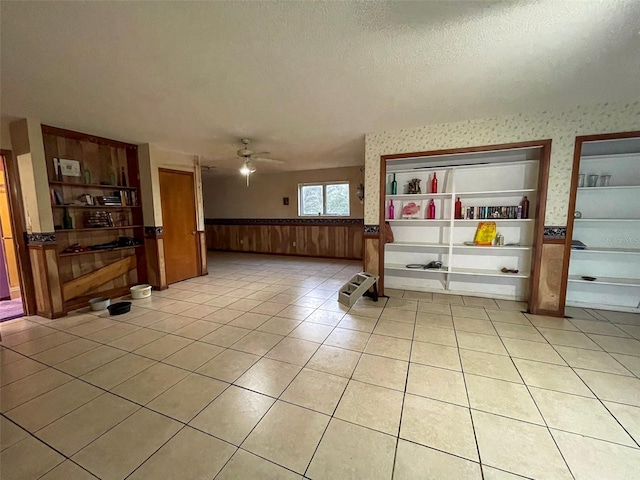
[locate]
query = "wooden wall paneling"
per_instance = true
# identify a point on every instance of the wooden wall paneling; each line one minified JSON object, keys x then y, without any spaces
{"x":299,"y":236}
{"x":43,"y":304}
{"x":334,"y":241}
{"x":91,"y":157}
{"x":371,"y":255}
{"x":55,"y":290}
{"x":265,"y":239}
{"x":51,"y":151}
{"x":87,"y":283}
{"x":357,"y":242}
{"x":281,"y":239}
{"x":47,"y":289}
{"x":202,"y":250}
{"x":550,"y":280}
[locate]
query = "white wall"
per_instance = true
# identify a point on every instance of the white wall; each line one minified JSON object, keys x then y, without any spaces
{"x":152,"y":158}
{"x":229,"y":197}
{"x":560,"y":126}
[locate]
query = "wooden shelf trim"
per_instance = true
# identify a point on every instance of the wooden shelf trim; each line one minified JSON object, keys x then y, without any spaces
{"x":101,"y":207}
{"x":88,"y":252}
{"x":91,"y":185}
{"x":96,"y":229}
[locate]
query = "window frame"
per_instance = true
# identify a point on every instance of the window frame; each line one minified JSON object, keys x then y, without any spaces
{"x":324,"y":198}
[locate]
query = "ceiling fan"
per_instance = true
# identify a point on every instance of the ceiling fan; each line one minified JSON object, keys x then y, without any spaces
{"x":250,"y":158}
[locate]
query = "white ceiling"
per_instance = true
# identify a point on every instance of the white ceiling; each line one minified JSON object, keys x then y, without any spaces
{"x":306,"y":80}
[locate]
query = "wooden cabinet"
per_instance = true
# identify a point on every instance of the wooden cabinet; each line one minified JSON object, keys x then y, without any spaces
{"x":89,"y":271}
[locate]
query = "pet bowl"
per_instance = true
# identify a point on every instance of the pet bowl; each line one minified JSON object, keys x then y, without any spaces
{"x":140,"y":291}
{"x":119,"y":308}
{"x":99,"y":303}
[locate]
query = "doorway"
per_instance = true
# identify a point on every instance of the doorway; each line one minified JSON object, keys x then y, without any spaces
{"x":16,"y":289}
{"x":178,"y":200}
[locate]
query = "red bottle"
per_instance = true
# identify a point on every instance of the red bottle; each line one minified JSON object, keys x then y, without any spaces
{"x":434,"y":184}
{"x":525,"y":207}
{"x":458,"y":209}
{"x":432,"y":210}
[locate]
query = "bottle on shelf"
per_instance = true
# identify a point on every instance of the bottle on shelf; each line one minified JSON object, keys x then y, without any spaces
{"x":112,"y":177}
{"x":431,"y":210}
{"x":394,"y":185}
{"x":123,"y":178}
{"x":525,"y":207}
{"x":434,"y":183}
{"x":391,"y":210}
{"x":87,"y":176}
{"x":67,"y":221}
{"x":458,"y":210}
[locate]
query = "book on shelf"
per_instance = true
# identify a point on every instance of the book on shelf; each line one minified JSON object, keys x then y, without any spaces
{"x":512,"y":212}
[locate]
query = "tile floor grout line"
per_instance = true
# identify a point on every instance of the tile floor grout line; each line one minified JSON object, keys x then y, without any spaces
{"x":332,"y":416}
{"x":287,"y":336}
{"x":546,"y":425}
{"x":404,"y":395}
{"x":466,"y":390}
{"x":596,"y":397}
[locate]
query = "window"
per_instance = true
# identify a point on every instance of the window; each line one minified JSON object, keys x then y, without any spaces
{"x":324,"y":199}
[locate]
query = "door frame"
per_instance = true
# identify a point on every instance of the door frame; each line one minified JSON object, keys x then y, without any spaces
{"x":196,"y":236}
{"x":19,"y":226}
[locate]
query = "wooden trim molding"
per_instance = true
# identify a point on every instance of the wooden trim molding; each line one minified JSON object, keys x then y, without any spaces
{"x":153,"y":232}
{"x":19,"y":226}
{"x":61,"y":132}
{"x":577,"y":153}
{"x":202,"y":252}
{"x":284,"y":221}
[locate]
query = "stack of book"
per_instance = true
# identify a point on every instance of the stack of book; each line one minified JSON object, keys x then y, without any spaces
{"x":119,"y":198}
{"x":506,"y":212}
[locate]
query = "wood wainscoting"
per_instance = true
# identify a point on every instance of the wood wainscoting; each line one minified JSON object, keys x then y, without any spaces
{"x":340,"y":238}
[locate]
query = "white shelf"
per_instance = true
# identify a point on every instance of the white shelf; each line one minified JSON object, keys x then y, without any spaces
{"x":476,"y":220}
{"x":401,"y":267}
{"x":417,"y":196}
{"x":493,"y":247}
{"x":626,"y":282}
{"x":487,"y":273}
{"x":458,"y":271}
{"x":611,"y":188}
{"x":496,"y":193}
{"x":419,"y":220}
{"x":621,"y":251}
{"x":416,"y":245}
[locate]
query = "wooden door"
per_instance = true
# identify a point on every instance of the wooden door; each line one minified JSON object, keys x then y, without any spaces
{"x":178,"y":200}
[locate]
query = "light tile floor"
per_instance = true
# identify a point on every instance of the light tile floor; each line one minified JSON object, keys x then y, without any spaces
{"x":255,"y":371}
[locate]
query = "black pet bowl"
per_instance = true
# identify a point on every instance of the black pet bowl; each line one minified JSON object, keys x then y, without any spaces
{"x":119,"y":308}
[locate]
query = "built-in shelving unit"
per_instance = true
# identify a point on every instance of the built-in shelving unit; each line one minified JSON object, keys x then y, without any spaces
{"x":106,"y":168}
{"x":492,"y":179}
{"x":609,"y":226}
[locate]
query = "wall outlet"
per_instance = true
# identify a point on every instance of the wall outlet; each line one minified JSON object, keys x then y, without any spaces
{"x":294,"y":244}
{"x":241,"y":242}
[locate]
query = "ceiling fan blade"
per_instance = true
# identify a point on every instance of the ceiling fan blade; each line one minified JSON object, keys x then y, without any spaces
{"x":260,"y":154}
{"x":267,"y":160}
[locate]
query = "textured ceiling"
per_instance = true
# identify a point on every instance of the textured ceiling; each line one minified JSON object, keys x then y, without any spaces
{"x":306,"y":80}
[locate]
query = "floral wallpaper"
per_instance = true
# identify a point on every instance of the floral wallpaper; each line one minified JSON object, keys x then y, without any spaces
{"x":562,"y":127}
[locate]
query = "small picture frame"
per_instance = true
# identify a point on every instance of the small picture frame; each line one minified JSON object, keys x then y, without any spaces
{"x":70,"y":168}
